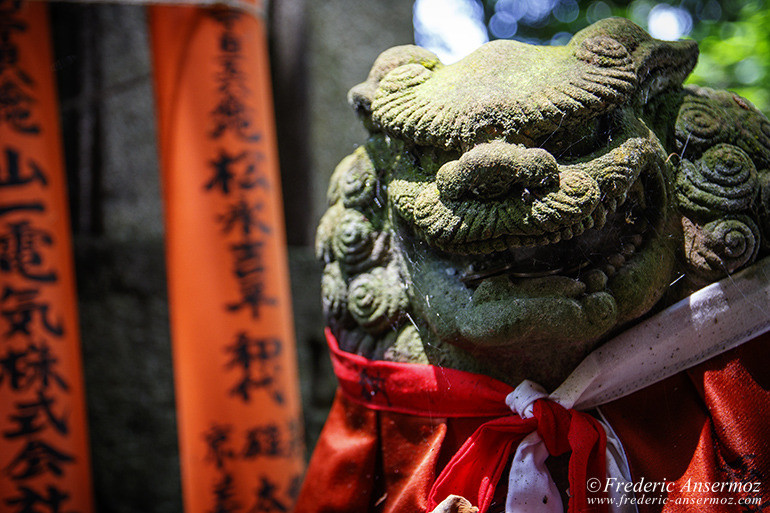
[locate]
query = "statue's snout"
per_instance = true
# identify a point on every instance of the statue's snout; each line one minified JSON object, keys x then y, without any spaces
{"x":491,"y":170}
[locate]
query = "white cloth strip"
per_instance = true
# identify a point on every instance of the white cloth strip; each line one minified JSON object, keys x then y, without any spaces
{"x":617,"y":469}
{"x":257,"y":9}
{"x":709,"y":322}
{"x":531,"y":488}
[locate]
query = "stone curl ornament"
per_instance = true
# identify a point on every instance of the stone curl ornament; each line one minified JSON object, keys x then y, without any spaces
{"x":514,"y":211}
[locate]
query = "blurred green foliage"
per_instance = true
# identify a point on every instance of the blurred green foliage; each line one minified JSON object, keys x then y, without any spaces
{"x":733,"y":35}
{"x":735,"y":54}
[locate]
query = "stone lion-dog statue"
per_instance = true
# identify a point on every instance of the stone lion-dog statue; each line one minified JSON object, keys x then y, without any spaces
{"x":536,"y":219}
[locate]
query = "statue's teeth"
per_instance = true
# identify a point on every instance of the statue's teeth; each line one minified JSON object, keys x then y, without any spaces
{"x":636,"y":240}
{"x":595,"y":280}
{"x":616,"y":260}
{"x":609,"y":270}
{"x":627,"y":250}
{"x":599,"y":217}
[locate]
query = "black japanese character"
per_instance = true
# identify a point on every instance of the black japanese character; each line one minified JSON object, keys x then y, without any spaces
{"x":28,"y":417}
{"x":225,"y":175}
{"x":20,"y":251}
{"x":244,"y":215}
{"x":9,"y":23}
{"x":14,"y":368}
{"x":30,"y":501}
{"x":372,"y":385}
{"x":36,"y":458}
{"x":16,"y":104}
{"x":223,"y":171}
{"x":263,"y":441}
{"x":12,"y":174}
{"x":249,"y":272}
{"x":217,"y":438}
{"x":29,"y":206}
{"x":21,"y":315}
{"x":231,"y":113}
{"x":42,"y":366}
{"x":224,"y":496}
{"x":224,"y":16}
{"x":35,"y":365}
{"x":258,"y":360}
{"x":254,"y":175}
{"x":267,"y":502}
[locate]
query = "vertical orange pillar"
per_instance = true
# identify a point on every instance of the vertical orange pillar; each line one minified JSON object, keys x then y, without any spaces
{"x":44,"y":454}
{"x":238,"y":406}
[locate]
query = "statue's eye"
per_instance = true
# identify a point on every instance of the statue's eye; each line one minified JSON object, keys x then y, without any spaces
{"x":579,"y":140}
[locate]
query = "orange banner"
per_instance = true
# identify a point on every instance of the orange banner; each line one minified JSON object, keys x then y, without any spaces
{"x":240,"y":429}
{"x":44,"y":454}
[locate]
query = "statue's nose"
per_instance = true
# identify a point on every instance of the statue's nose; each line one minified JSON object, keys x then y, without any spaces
{"x":490,"y":170}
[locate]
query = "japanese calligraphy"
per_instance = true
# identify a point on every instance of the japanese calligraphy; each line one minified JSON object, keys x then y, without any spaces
{"x":37,"y":423}
{"x":270,"y":440}
{"x":234,"y":187}
{"x":31,"y":501}
{"x":372,"y":385}
{"x":26,"y":309}
{"x":16,"y":97}
{"x":224,"y":495}
{"x":21,"y":249}
{"x":273,"y":441}
{"x":216,"y":439}
{"x":258,"y":360}
{"x":249,"y":271}
{"x":231,"y":112}
{"x":14,"y":173}
{"x":267,"y":501}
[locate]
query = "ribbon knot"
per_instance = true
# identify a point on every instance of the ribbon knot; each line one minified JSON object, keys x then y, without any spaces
{"x":521,"y":400}
{"x":541,"y":428}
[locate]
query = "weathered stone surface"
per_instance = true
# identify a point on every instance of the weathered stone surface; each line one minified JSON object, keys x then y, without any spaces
{"x":512,"y":210}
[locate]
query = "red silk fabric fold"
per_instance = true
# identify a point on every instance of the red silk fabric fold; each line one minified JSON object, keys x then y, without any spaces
{"x":474,"y":471}
{"x":417,"y":389}
{"x":708,"y":425}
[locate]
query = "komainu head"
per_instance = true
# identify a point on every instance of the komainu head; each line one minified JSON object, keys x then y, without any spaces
{"x":513,"y":210}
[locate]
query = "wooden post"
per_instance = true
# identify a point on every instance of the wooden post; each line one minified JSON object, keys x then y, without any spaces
{"x":240,"y":428}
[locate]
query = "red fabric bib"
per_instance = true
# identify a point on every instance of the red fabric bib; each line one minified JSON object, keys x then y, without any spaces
{"x":707,"y":426}
{"x":474,"y":471}
{"x":393,"y":427}
{"x":417,"y":389}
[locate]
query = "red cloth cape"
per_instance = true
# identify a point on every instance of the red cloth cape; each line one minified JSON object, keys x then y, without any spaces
{"x":703,"y":426}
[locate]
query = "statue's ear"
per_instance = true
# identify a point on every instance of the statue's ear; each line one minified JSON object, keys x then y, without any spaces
{"x":360,"y":96}
{"x":658,"y":64}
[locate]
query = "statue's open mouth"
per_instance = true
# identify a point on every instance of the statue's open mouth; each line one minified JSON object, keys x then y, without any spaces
{"x":547,"y":260}
{"x":593,"y":256}
{"x":592,"y":214}
{"x":605,"y":246}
